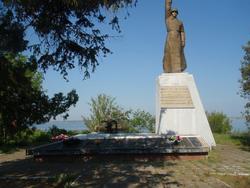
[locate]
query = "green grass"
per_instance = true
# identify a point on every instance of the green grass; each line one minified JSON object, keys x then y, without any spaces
{"x":213,"y":156}
{"x":236,"y":181}
{"x":65,"y":180}
{"x":226,"y":139}
{"x":25,"y":139}
{"x":240,"y":140}
{"x":237,"y":139}
{"x":30,"y":138}
{"x":7,"y":149}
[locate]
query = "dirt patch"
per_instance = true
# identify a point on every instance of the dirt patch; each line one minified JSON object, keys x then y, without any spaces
{"x":18,"y":155}
{"x":226,"y":166}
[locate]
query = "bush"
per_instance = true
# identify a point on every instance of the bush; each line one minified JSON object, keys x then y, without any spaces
{"x":105,"y":110}
{"x":219,"y":122}
{"x":142,"y":121}
{"x":85,"y":132}
{"x":40,"y":137}
{"x":54,"y":131}
{"x":29,"y":137}
{"x":244,"y":138}
{"x":33,"y":137}
{"x":23,"y":138}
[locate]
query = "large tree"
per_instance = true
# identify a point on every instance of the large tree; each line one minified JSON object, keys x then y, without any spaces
{"x":245,"y":81}
{"x":22,"y":99}
{"x":60,"y":34}
{"x":68,"y":32}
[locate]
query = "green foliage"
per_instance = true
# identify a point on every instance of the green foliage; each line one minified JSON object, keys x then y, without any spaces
{"x":33,"y":137}
{"x":219,"y":122}
{"x":8,"y":148}
{"x":28,"y":137}
{"x":54,"y":131}
{"x":12,"y":33}
{"x":225,"y":139}
{"x":23,"y":138}
{"x":40,"y":137}
{"x":239,"y":139}
{"x":244,"y":138}
{"x":245,"y":81}
{"x":104,"y":108}
{"x":67,"y":34}
{"x":142,"y":121}
{"x":65,"y":180}
{"x":68,"y":31}
{"x":22,"y":100}
{"x":84,"y":132}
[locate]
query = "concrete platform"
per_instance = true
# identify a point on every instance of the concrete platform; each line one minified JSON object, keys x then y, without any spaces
{"x":124,"y":146}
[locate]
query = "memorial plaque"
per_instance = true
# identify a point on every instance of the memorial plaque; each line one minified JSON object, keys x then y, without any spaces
{"x":175,"y":97}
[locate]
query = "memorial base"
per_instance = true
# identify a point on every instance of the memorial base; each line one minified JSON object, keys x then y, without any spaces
{"x":179,"y":110}
{"x":142,"y":146}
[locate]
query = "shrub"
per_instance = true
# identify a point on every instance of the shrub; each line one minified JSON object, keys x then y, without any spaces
{"x":219,"y":122}
{"x":84,"y":132}
{"x":30,"y":137}
{"x":104,"y":110}
{"x":142,"y":121}
{"x":54,"y":131}
{"x":40,"y":137}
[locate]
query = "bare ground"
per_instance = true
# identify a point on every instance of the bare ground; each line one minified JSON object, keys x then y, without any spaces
{"x":226,"y":166}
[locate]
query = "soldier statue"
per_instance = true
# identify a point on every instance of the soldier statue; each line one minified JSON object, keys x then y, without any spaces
{"x":174,"y":59}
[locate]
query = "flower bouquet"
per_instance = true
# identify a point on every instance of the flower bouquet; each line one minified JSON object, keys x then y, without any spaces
{"x":174,"y":139}
{"x":60,"y":137}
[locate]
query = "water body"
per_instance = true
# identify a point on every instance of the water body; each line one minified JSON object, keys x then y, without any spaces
{"x":238,"y":125}
{"x":67,"y":125}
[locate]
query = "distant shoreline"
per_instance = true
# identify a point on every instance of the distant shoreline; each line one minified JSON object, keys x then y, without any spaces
{"x":78,"y":125}
{"x":233,"y":117}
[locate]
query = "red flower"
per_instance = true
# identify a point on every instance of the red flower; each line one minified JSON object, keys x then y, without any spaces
{"x":60,"y":137}
{"x":178,"y":138}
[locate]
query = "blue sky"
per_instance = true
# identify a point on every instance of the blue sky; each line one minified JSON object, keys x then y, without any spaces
{"x":215,"y":30}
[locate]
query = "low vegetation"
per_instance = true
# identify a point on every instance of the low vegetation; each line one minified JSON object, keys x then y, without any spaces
{"x":221,"y":127}
{"x":132,"y":121}
{"x":219,"y":122}
{"x":105,"y":109}
{"x":33,"y":137}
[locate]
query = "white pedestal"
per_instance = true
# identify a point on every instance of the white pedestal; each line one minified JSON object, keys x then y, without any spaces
{"x":182,"y":114}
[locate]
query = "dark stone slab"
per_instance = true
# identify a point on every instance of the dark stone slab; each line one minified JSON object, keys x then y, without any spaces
{"x":195,"y":141}
{"x":121,"y":144}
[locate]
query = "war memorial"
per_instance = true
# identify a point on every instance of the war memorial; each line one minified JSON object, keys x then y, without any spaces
{"x":181,"y":130}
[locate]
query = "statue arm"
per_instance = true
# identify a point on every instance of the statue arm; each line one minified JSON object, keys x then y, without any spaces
{"x":168,"y":4}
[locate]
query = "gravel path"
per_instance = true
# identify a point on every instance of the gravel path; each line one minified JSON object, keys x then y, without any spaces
{"x":226,"y":166}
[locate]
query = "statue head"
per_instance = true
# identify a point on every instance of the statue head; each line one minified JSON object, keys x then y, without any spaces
{"x":174,"y":12}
